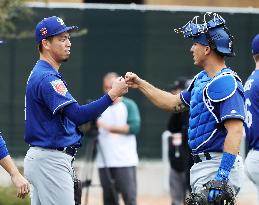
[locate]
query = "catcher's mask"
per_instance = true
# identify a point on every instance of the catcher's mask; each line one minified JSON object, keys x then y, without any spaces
{"x":211,"y":32}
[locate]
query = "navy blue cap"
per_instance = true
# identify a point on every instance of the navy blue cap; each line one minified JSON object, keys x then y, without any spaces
{"x":255,"y":45}
{"x":51,"y":26}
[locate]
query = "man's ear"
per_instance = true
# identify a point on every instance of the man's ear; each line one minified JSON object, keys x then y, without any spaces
{"x":207,"y":50}
{"x":45,"y":44}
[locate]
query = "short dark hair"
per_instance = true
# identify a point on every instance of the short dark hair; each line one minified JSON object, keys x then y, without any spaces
{"x":40,"y":46}
{"x":256,"y":57}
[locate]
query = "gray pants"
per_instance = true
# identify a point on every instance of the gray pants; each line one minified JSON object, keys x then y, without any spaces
{"x":206,"y":170}
{"x":124,"y":184}
{"x":178,"y":187}
{"x":51,"y":176}
{"x":252,"y":168}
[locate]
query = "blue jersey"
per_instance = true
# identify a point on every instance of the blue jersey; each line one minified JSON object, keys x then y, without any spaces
{"x":206,"y":124}
{"x":3,"y":149}
{"x":252,"y":110}
{"x":46,"y":95}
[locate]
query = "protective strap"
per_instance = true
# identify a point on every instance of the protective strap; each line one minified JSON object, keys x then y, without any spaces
{"x":225,"y":167}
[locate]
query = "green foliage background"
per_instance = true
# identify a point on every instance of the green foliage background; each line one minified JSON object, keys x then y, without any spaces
{"x":8,"y":197}
{"x":10,"y":12}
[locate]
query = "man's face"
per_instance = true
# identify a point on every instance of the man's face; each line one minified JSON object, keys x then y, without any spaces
{"x":199,"y":54}
{"x":59,"y":47}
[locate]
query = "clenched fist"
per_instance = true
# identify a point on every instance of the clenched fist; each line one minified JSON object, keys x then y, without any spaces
{"x":132,"y":80}
{"x":119,"y":88}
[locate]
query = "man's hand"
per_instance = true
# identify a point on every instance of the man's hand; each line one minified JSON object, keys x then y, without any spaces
{"x":22,"y":185}
{"x":132,"y":80}
{"x":119,"y":88}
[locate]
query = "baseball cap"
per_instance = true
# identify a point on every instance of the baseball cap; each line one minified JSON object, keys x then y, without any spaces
{"x":51,"y":26}
{"x":255,"y":45}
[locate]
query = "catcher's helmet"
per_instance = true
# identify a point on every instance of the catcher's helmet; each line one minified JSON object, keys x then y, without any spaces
{"x":211,"y":33}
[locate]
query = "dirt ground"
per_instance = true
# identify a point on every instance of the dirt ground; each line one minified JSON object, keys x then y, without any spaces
{"x":95,"y":199}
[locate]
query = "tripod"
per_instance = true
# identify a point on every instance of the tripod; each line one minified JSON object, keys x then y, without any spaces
{"x":90,"y":152}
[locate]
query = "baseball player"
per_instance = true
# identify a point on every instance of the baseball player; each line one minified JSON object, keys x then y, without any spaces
{"x":216,"y":106}
{"x":252,"y":117}
{"x":52,"y":117}
{"x":7,"y":163}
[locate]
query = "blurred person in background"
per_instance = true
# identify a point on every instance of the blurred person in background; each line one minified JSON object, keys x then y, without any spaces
{"x":22,"y":185}
{"x":252,"y":118}
{"x":117,"y":156}
{"x":178,"y":150}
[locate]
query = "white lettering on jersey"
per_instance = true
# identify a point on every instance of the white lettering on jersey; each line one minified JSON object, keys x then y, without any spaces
{"x":248,"y":84}
{"x":248,"y":114}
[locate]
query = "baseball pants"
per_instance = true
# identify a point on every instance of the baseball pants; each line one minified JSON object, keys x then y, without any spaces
{"x":206,"y":170}
{"x":50,"y":174}
{"x":252,"y":168}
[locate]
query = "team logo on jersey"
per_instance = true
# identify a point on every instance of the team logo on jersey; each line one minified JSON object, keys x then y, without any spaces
{"x":59,"y":87}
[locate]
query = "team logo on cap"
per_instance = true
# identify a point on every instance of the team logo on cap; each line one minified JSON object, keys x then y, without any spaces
{"x":60,"y":20}
{"x":59,"y":87}
{"x":44,"y":31}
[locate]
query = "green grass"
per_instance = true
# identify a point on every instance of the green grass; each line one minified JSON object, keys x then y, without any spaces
{"x":8,"y":197}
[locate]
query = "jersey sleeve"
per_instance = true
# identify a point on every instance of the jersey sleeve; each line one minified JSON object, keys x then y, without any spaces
{"x":3,"y":149}
{"x":233,"y":107}
{"x":54,"y":93}
{"x":185,"y":96}
{"x":133,"y":120}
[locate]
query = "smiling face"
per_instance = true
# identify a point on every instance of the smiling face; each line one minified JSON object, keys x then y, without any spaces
{"x":199,"y":53}
{"x":58,"y":47}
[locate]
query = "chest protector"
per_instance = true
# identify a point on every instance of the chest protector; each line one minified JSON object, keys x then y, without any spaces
{"x":205,"y":93}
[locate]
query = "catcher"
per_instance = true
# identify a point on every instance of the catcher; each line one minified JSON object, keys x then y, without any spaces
{"x":215,"y":101}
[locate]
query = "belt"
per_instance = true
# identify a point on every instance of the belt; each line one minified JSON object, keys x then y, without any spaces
{"x":70,"y":150}
{"x":201,"y":157}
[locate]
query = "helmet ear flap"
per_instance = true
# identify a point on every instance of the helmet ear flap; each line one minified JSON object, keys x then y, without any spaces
{"x":231,"y":39}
